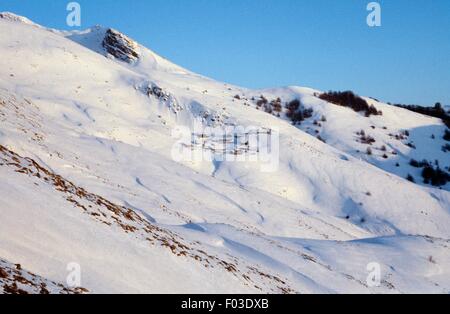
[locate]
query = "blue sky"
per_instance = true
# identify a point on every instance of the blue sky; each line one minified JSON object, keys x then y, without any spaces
{"x":325,"y":44}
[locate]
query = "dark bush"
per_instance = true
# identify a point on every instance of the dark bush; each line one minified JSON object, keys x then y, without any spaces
{"x":349,"y":99}
{"x":410,"y":144}
{"x":414,"y":163}
{"x":399,"y":137}
{"x":431,"y":175}
{"x":292,"y":106}
{"x":410,"y":178}
{"x":446,"y":148}
{"x":367,"y":139}
{"x":419,"y":164}
{"x":435,"y":176}
{"x":268,"y":108}
{"x":297,"y":117}
{"x":437,"y":111}
{"x":447,"y":135}
{"x":276,"y":105}
{"x":296,"y":113}
{"x":262,"y":101}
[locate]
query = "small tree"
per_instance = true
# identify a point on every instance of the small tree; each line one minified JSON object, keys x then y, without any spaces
{"x":276,"y":105}
{"x":262,"y":101}
{"x":447,"y":135}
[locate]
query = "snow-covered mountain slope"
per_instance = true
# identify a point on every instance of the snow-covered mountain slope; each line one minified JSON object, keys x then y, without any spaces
{"x":399,"y":135}
{"x":88,"y":177}
{"x":15,"y":280}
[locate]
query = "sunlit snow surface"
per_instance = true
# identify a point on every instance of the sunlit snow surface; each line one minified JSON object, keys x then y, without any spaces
{"x":87,"y":177}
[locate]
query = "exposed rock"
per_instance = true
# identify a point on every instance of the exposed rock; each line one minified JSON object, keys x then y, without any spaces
{"x":158,"y":92}
{"x":153,"y":90}
{"x":15,"y":280}
{"x":120,"y":46}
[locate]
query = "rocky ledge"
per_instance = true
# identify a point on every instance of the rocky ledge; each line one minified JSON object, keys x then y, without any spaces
{"x":120,"y":46}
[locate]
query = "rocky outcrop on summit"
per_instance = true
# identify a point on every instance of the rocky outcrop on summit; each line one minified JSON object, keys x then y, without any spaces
{"x":120,"y":46}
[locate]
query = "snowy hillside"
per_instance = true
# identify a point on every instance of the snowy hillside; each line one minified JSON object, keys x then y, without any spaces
{"x":389,"y":141}
{"x":88,"y":176}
